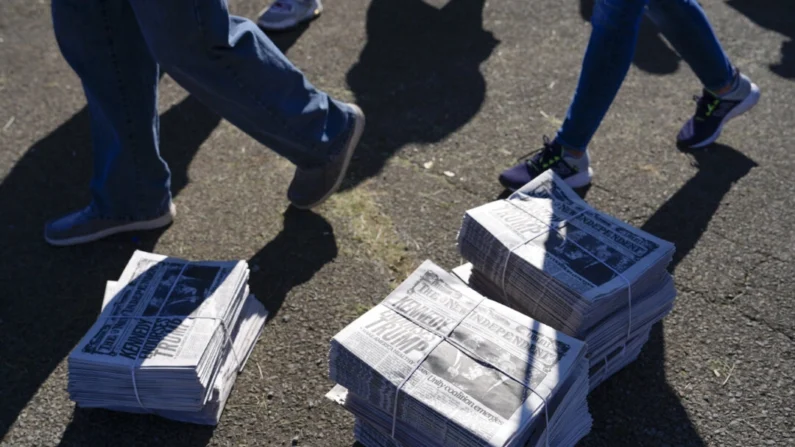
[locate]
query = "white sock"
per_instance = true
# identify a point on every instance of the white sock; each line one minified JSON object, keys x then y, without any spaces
{"x":741,"y":89}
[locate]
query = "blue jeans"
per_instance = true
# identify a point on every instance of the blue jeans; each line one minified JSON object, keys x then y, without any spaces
{"x":118,"y":48}
{"x":612,"y":47}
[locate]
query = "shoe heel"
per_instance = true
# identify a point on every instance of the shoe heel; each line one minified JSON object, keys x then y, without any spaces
{"x":580,"y":179}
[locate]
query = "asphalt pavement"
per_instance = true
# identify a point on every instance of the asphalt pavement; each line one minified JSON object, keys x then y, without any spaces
{"x":454,"y":92}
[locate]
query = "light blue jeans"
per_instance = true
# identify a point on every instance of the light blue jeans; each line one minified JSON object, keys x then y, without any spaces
{"x":612,"y":47}
{"x":118,"y":48}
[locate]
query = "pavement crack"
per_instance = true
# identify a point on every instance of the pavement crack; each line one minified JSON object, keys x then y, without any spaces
{"x":752,"y":249}
{"x":772,"y":327}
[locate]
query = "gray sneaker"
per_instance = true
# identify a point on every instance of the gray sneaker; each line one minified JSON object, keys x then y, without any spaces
{"x":87,"y":225}
{"x":311,"y":187}
{"x":285,"y":14}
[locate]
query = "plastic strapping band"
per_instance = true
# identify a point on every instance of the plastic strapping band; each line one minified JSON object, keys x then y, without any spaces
{"x":522,"y":244}
{"x":227,"y":341}
{"x":445,"y":337}
{"x":227,"y":337}
{"x":617,"y":273}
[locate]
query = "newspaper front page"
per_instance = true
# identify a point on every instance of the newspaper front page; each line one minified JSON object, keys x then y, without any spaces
{"x":145,"y":323}
{"x":467,"y":390}
{"x":591,"y":253}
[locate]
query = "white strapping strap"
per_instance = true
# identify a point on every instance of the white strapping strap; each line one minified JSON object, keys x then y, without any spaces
{"x":227,"y":337}
{"x":616,"y":272}
{"x":227,"y":341}
{"x":465,"y":350}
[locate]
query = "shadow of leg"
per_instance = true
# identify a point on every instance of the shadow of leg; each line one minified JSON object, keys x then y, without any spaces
{"x":301,"y":249}
{"x":418,"y":78}
{"x":786,"y":68}
{"x":652,"y":55}
{"x":637,"y":406}
{"x":685,"y":216}
{"x":285,"y":40}
{"x":775,"y":15}
{"x":52,"y":296}
{"x":96,"y":427}
{"x":184,"y":128}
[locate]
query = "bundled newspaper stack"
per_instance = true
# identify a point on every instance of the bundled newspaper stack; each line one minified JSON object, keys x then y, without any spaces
{"x":171,"y":339}
{"x":548,"y":254}
{"x":438,"y":364}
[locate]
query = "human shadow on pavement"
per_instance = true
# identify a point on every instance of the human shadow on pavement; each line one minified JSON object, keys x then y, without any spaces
{"x":284,"y":40}
{"x":53,"y":295}
{"x":300,"y":250}
{"x":173,"y":298}
{"x":637,"y":406}
{"x":418,"y":77}
{"x":652,"y":54}
{"x":305,"y":244}
{"x":778,"y":16}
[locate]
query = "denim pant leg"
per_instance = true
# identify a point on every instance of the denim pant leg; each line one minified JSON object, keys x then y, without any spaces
{"x":102,"y":42}
{"x":229,"y":64}
{"x":606,"y":63}
{"x":685,"y":26}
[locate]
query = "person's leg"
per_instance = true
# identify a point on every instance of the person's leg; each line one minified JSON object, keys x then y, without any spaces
{"x":103,"y":44}
{"x":229,"y":64}
{"x":607,"y":59}
{"x":605,"y":65}
{"x":685,"y":26}
{"x":727,"y":93}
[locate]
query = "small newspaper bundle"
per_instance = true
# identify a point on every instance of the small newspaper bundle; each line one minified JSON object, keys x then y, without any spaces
{"x":548,"y":254}
{"x":437,"y":364}
{"x":170,"y":340}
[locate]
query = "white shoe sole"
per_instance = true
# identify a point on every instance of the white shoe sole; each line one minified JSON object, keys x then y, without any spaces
{"x":350,"y":148}
{"x":746,"y":105}
{"x":142,"y":225}
{"x":291,"y":22}
{"x":575,"y":181}
{"x":580,"y":179}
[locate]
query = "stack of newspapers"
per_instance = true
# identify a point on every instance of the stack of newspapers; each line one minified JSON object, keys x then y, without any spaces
{"x":548,"y":254}
{"x":170,"y":340}
{"x":437,"y":364}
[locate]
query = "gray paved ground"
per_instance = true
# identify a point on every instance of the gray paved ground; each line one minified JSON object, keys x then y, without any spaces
{"x":470,"y":87}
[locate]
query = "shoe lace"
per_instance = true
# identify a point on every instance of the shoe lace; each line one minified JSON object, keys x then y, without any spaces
{"x":542,"y":158}
{"x":705,"y":105}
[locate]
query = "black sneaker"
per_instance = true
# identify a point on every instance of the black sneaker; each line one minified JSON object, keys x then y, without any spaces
{"x":311,"y":187}
{"x":713,"y":112}
{"x":576,"y":172}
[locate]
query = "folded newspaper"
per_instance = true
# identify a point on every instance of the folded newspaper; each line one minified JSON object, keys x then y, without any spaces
{"x":170,"y":340}
{"x":547,"y":253}
{"x":437,"y":364}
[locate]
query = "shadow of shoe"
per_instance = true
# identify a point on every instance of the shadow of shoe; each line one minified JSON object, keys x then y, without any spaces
{"x":301,"y":249}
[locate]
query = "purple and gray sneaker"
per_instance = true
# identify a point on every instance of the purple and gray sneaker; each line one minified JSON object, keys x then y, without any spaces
{"x":713,"y":112}
{"x":576,"y":172}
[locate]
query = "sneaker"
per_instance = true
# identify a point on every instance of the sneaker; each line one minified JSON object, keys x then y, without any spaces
{"x":311,"y":187}
{"x":576,"y":172}
{"x":713,"y":112}
{"x":87,"y":225}
{"x":285,"y":14}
